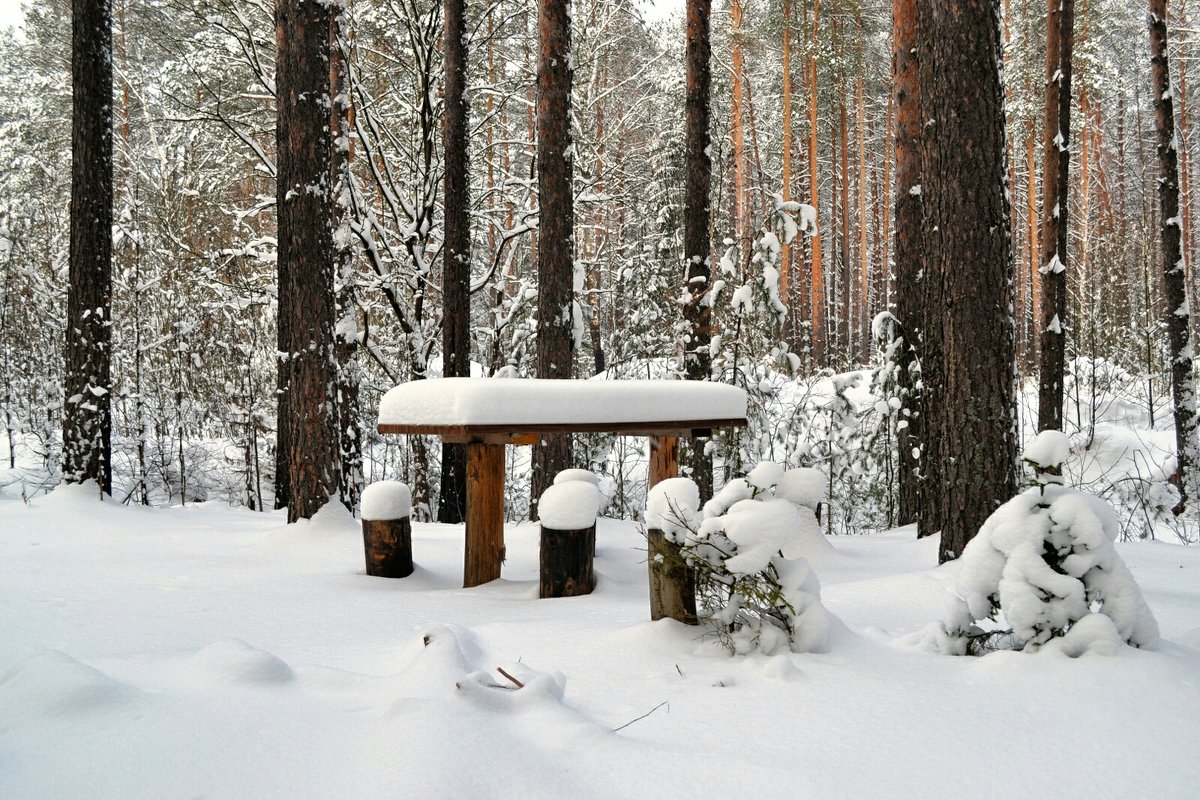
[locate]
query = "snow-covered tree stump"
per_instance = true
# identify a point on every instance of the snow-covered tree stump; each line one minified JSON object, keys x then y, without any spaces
{"x":386,"y":510}
{"x":568,"y":518}
{"x":671,"y":506}
{"x":585,"y":475}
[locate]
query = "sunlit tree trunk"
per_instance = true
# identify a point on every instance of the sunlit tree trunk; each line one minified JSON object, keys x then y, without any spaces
{"x":819,"y":332}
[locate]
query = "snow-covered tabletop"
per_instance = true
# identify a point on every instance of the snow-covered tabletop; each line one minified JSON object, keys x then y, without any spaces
{"x":466,"y":406}
{"x":488,"y":413}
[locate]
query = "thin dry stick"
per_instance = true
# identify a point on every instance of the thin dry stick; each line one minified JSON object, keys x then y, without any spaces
{"x":643,"y":716}
{"x":516,"y":682}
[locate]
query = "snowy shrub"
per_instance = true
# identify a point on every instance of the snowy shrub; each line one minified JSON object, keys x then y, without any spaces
{"x":748,"y":549}
{"x":1044,"y":567}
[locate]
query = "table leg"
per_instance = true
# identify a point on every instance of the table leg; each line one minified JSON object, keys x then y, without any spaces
{"x":672,"y":583}
{"x":664,"y":458}
{"x":485,"y":513}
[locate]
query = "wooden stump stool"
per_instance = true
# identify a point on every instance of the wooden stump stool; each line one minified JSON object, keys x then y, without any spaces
{"x":670,"y":503}
{"x":565,"y":560}
{"x":672,"y":582}
{"x":386,"y":512}
{"x":568,"y":517}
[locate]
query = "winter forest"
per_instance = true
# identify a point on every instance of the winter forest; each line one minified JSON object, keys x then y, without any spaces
{"x":945,"y":248}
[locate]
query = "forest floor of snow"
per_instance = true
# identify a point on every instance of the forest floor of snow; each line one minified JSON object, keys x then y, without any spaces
{"x":207,"y":651}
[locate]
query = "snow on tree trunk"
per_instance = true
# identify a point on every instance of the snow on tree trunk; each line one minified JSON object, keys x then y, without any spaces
{"x":349,"y":371}
{"x":555,"y":255}
{"x":907,"y":252}
{"x":697,"y":245}
{"x":1056,"y":155}
{"x":305,"y":206}
{"x":456,"y":251}
{"x":87,"y":422}
{"x":1174,"y":265}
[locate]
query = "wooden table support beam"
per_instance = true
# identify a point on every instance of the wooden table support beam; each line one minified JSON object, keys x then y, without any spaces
{"x":485,"y":513}
{"x":664,"y":458}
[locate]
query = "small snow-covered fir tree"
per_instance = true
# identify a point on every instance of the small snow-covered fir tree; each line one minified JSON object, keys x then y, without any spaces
{"x":1043,"y":567}
{"x":749,"y":547}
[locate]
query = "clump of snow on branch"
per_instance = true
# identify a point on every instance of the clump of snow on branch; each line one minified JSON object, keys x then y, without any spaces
{"x":1043,"y":570}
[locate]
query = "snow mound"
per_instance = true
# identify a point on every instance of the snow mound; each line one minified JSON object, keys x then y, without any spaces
{"x":385,"y":500}
{"x":79,"y":496}
{"x":437,"y":654}
{"x":51,"y":684}
{"x":522,"y":689}
{"x":569,"y":506}
{"x":233,"y":662}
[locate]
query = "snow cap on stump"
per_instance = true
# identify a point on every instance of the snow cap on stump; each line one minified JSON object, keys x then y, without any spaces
{"x":569,"y":506}
{"x":386,"y":500}
{"x":585,"y":475}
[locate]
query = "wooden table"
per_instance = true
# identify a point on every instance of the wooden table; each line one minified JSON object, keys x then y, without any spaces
{"x":487,"y":414}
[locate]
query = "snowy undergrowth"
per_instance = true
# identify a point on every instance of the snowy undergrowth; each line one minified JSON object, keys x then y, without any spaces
{"x":749,"y":548}
{"x":1043,"y":573}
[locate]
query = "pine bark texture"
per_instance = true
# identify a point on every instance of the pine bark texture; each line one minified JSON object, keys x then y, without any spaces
{"x":87,"y":416}
{"x":907,"y":251}
{"x":456,"y":251}
{"x":555,"y":255}
{"x":1183,"y":386}
{"x":1056,"y":155}
{"x":305,"y":205}
{"x":697,"y":245}
{"x":349,"y":372}
{"x":969,"y":369}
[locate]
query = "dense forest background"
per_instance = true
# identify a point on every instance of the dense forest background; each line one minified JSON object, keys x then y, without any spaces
{"x":802,"y":110}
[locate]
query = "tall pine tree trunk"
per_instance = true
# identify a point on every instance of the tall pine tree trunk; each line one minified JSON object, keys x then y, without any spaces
{"x":697,"y":246}
{"x":820,"y":342}
{"x":906,"y":253}
{"x":555,"y":154}
{"x":349,"y":424}
{"x":87,"y":414}
{"x":456,"y":251}
{"x":969,"y":367}
{"x":785,"y":259}
{"x":1056,"y":161}
{"x":737,"y":132}
{"x":1183,"y":384}
{"x":305,"y":206}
